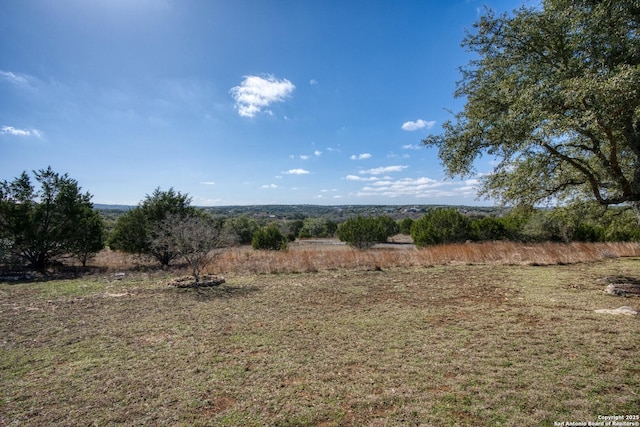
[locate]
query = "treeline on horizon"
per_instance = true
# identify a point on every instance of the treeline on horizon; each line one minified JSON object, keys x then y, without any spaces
{"x":56,"y":221}
{"x":585,"y":222}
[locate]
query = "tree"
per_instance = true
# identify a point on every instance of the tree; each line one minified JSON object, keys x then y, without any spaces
{"x":554,"y":95}
{"x":42,"y":224}
{"x":89,"y":235}
{"x":363,"y":233}
{"x":195,"y":238}
{"x":405,"y":226}
{"x":441,"y":225}
{"x":131,"y":233}
{"x":243,"y":227}
{"x":390,"y":226}
{"x":138,"y":230}
{"x":317,"y":227}
{"x":488,"y":228}
{"x":270,"y":238}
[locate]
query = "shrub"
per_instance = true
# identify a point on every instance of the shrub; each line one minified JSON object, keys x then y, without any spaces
{"x":405,"y":226}
{"x":623,"y":227}
{"x":317,"y":227}
{"x":362,"y":233}
{"x":488,"y":228}
{"x":441,"y":225}
{"x":243,"y":227}
{"x":269,"y":238}
{"x":391,"y":227}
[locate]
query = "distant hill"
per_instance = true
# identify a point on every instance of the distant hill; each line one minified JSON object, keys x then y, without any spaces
{"x":103,"y":207}
{"x":336,"y":213}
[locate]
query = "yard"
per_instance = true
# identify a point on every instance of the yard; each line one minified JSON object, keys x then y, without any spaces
{"x":434,"y":345}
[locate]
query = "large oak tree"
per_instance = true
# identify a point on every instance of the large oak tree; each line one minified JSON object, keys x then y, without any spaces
{"x":553,"y":93}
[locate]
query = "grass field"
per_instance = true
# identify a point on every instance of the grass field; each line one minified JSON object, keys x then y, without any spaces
{"x":459,"y":344}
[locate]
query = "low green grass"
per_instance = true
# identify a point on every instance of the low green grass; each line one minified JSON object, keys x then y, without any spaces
{"x":474,"y":345}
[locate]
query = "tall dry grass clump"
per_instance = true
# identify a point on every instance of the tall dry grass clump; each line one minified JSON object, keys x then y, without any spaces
{"x":333,"y":257}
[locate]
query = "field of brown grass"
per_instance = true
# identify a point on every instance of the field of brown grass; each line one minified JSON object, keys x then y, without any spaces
{"x":321,"y":255}
{"x":450,"y":336}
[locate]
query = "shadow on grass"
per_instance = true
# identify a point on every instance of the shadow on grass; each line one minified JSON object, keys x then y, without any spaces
{"x":223,"y":291}
{"x":17,"y":275}
{"x":626,"y":280}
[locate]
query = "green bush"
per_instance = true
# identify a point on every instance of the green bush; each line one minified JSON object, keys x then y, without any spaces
{"x":391,"y":227}
{"x":488,"y":228}
{"x":243,"y":227}
{"x":623,"y":227}
{"x":317,"y":228}
{"x":362,"y":233}
{"x":441,"y":225}
{"x":405,"y":226}
{"x":269,"y":238}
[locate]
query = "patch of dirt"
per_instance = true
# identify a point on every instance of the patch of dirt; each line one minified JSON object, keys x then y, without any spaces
{"x":218,"y":405}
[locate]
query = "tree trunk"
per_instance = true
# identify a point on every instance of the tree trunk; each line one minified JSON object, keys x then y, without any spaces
{"x":40,"y":261}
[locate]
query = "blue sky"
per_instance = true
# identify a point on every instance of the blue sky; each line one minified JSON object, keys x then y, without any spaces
{"x":236,"y":101}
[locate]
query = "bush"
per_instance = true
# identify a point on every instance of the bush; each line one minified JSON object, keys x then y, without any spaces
{"x":362,"y":233}
{"x":488,"y":228}
{"x":623,"y":228}
{"x":405,"y":226}
{"x":391,"y":227}
{"x":442,"y":225}
{"x":317,"y":228}
{"x":269,"y":238}
{"x":243,"y":227}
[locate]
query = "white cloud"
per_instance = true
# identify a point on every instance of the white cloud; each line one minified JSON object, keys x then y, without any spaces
{"x":10,"y":130}
{"x":313,"y":82}
{"x":411,"y":147}
{"x":18,"y":79}
{"x":418,"y":124}
{"x":207,"y":183}
{"x":359,"y":178}
{"x":398,"y":156}
{"x":416,"y":187}
{"x":304,"y":157}
{"x":269,"y":186}
{"x":384,"y":169}
{"x":317,"y":153}
{"x":419,"y":188}
{"x":255,"y":93}
{"x":296,"y":172}
{"x":362,"y":156}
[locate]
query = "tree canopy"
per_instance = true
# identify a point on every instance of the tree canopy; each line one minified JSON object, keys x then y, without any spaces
{"x":553,"y":94}
{"x":137,"y":231}
{"x":42,"y":223}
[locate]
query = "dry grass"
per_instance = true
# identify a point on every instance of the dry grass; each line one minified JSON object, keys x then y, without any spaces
{"x":319,"y":257}
{"x":468,"y":345}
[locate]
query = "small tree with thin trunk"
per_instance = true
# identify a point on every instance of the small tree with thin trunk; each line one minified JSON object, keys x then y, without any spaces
{"x":195,"y":238}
